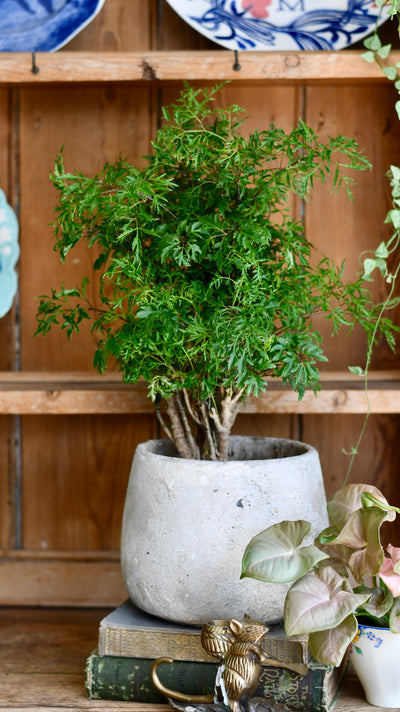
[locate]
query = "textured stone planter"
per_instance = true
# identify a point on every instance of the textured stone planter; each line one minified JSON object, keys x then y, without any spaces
{"x":186,"y":524}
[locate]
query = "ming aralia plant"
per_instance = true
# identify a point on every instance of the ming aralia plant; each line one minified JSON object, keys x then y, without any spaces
{"x":206,"y":287}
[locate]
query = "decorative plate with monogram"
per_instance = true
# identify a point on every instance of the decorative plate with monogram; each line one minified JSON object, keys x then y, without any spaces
{"x":281,"y":24}
{"x":43,"y":25}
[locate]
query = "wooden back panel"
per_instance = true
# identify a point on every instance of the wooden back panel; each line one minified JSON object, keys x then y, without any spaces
{"x":63,"y":478}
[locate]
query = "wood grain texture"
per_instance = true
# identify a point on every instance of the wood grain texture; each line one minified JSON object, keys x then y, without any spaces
{"x":76,"y":470}
{"x":7,"y":325}
{"x":343,"y":230}
{"x":100,"y":96}
{"x":174,"y":65}
{"x":95,"y":126}
{"x":118,"y":27}
{"x":43,"y":654}
{"x":37,"y":582}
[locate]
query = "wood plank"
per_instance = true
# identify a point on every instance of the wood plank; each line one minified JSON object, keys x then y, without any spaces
{"x":202,"y":65}
{"x":344,"y":230}
{"x":74,"y":470}
{"x":8,"y":163}
{"x":118,"y":27}
{"x":43,"y":654}
{"x":59,"y":399}
{"x":75,"y":475}
{"x":36,"y":582}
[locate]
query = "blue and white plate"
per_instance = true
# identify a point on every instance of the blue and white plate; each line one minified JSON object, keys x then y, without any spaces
{"x":9,"y":253}
{"x":43,"y":25}
{"x":280,"y":24}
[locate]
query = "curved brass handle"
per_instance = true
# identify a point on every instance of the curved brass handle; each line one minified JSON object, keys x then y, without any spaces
{"x":172,"y":693}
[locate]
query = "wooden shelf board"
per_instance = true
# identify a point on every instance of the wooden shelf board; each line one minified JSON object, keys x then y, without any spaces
{"x":60,"y":582}
{"x":83,"y":393}
{"x":43,"y":661}
{"x":203,"y":65}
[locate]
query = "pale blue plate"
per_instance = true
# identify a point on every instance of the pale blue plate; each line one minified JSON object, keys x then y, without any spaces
{"x":43,"y":25}
{"x":9,"y":253}
{"x":280,"y":24}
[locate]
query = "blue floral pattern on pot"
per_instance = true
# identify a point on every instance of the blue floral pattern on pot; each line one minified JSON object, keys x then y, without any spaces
{"x":280,"y":24}
{"x":43,"y":25}
{"x":375,"y":657}
{"x":369,"y":634}
{"x":9,"y":253}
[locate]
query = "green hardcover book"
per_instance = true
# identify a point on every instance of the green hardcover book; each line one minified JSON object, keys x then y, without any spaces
{"x":130,"y":632}
{"x":110,"y":677}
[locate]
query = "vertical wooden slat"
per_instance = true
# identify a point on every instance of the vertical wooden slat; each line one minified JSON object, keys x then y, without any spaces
{"x":6,"y":335}
{"x":95,"y":126}
{"x":343,"y":230}
{"x":118,"y":27}
{"x":71,"y":490}
{"x":75,"y":469}
{"x":76,"y":472}
{"x":174,"y":33}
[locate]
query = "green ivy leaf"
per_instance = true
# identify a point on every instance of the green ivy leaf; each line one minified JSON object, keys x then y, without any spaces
{"x":384,"y":51}
{"x":374,"y":43}
{"x":390,"y":72}
{"x":368,"y":57}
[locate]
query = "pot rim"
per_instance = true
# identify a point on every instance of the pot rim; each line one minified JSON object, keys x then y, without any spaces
{"x":305,"y":450}
{"x":376,"y":627}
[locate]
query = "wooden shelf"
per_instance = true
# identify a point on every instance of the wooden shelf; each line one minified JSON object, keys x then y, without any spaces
{"x":43,"y":660}
{"x":118,"y":67}
{"x":77,"y":393}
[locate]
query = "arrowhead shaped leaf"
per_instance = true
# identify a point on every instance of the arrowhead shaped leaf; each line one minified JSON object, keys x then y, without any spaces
{"x":318,"y":602}
{"x":347,"y":500}
{"x":329,"y":646}
{"x":274,"y":556}
{"x":379,"y":604}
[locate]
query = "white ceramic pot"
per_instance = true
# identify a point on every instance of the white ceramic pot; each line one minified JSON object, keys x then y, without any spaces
{"x":375,"y":655}
{"x":186,"y":524}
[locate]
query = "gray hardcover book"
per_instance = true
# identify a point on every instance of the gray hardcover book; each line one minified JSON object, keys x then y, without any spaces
{"x":130,"y":632}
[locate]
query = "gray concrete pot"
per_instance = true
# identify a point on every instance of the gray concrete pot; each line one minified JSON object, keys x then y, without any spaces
{"x":186,"y":524}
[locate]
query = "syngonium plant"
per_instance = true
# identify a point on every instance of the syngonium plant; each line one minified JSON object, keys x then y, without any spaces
{"x":207,"y":286}
{"x":343,"y":574}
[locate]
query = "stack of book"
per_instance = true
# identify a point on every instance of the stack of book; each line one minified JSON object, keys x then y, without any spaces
{"x":129,"y":640}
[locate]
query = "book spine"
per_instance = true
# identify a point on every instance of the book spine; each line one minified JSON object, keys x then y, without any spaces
{"x":135,"y":644}
{"x":128,"y":679}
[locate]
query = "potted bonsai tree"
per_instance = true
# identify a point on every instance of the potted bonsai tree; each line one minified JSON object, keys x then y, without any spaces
{"x":206,"y":289}
{"x":344,"y":586}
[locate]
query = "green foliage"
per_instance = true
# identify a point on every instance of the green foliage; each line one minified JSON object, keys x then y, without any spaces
{"x":205,"y":280}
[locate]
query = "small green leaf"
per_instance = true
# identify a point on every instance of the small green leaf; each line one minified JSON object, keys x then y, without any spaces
{"x":357,"y":370}
{"x":368,"y":57}
{"x":382,"y":251}
{"x":374,"y":43}
{"x":390,"y":72}
{"x":384,"y":51}
{"x":369,"y":265}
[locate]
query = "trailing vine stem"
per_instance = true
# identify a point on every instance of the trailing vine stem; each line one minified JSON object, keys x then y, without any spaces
{"x":379,"y":53}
